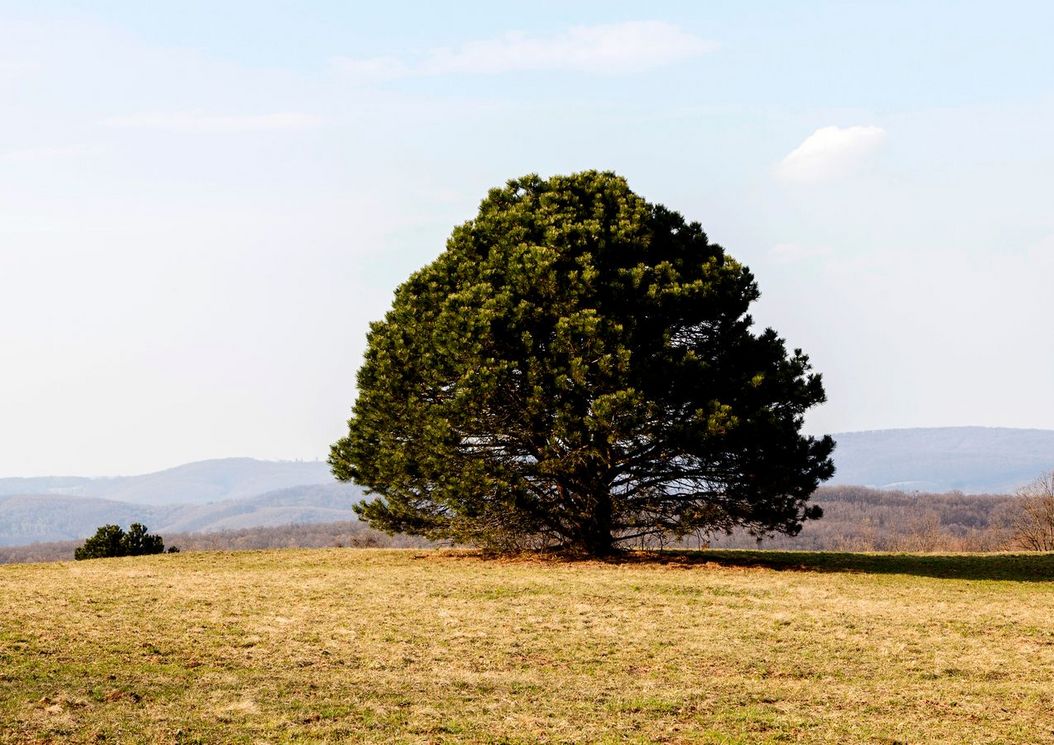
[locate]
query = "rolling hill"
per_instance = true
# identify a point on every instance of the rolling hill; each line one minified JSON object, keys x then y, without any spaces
{"x":311,"y":503}
{"x":30,"y":518}
{"x":968,"y":459}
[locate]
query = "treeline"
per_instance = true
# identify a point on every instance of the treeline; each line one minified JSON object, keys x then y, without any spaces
{"x":855,"y":519}
{"x":860,"y":519}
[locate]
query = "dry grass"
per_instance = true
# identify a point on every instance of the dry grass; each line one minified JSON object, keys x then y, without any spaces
{"x":417,"y":646}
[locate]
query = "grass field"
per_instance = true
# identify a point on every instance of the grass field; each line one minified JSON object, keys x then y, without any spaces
{"x":342,"y":645}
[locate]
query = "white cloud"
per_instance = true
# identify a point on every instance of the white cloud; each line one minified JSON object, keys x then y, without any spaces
{"x":830,"y":152}
{"x":607,"y":48}
{"x":197,"y":122}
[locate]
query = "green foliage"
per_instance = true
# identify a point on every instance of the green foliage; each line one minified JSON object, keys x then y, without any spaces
{"x":578,"y":369}
{"x":110,"y":541}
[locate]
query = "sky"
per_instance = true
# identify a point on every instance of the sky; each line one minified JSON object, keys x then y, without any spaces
{"x":204,"y":204}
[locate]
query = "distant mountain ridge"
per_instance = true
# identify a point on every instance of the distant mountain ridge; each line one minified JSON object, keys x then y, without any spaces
{"x":223,"y":494}
{"x":973,"y":460}
{"x":56,"y":517}
{"x":192,"y":483}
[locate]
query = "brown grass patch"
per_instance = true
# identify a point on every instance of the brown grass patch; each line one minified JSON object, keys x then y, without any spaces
{"x":346,"y":645}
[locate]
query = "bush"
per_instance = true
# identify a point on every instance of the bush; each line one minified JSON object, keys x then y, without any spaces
{"x":110,"y":541}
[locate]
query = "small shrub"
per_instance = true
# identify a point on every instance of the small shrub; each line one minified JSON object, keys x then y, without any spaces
{"x":110,"y":541}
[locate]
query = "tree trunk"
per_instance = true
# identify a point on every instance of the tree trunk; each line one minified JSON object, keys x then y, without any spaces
{"x":596,"y":538}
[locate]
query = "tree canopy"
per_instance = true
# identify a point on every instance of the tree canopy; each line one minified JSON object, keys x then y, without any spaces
{"x":577,"y":369}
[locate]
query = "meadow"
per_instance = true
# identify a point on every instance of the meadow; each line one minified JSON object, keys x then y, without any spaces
{"x":442,"y":646}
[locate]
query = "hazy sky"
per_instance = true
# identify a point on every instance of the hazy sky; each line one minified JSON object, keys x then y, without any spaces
{"x":203,"y":204}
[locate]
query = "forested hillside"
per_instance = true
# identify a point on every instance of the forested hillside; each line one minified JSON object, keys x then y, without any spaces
{"x":861,"y":519}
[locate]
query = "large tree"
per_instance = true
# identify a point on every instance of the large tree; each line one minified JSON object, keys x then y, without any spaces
{"x":577,"y":370}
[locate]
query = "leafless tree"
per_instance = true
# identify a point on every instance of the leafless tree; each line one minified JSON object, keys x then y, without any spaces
{"x":1034,"y":523}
